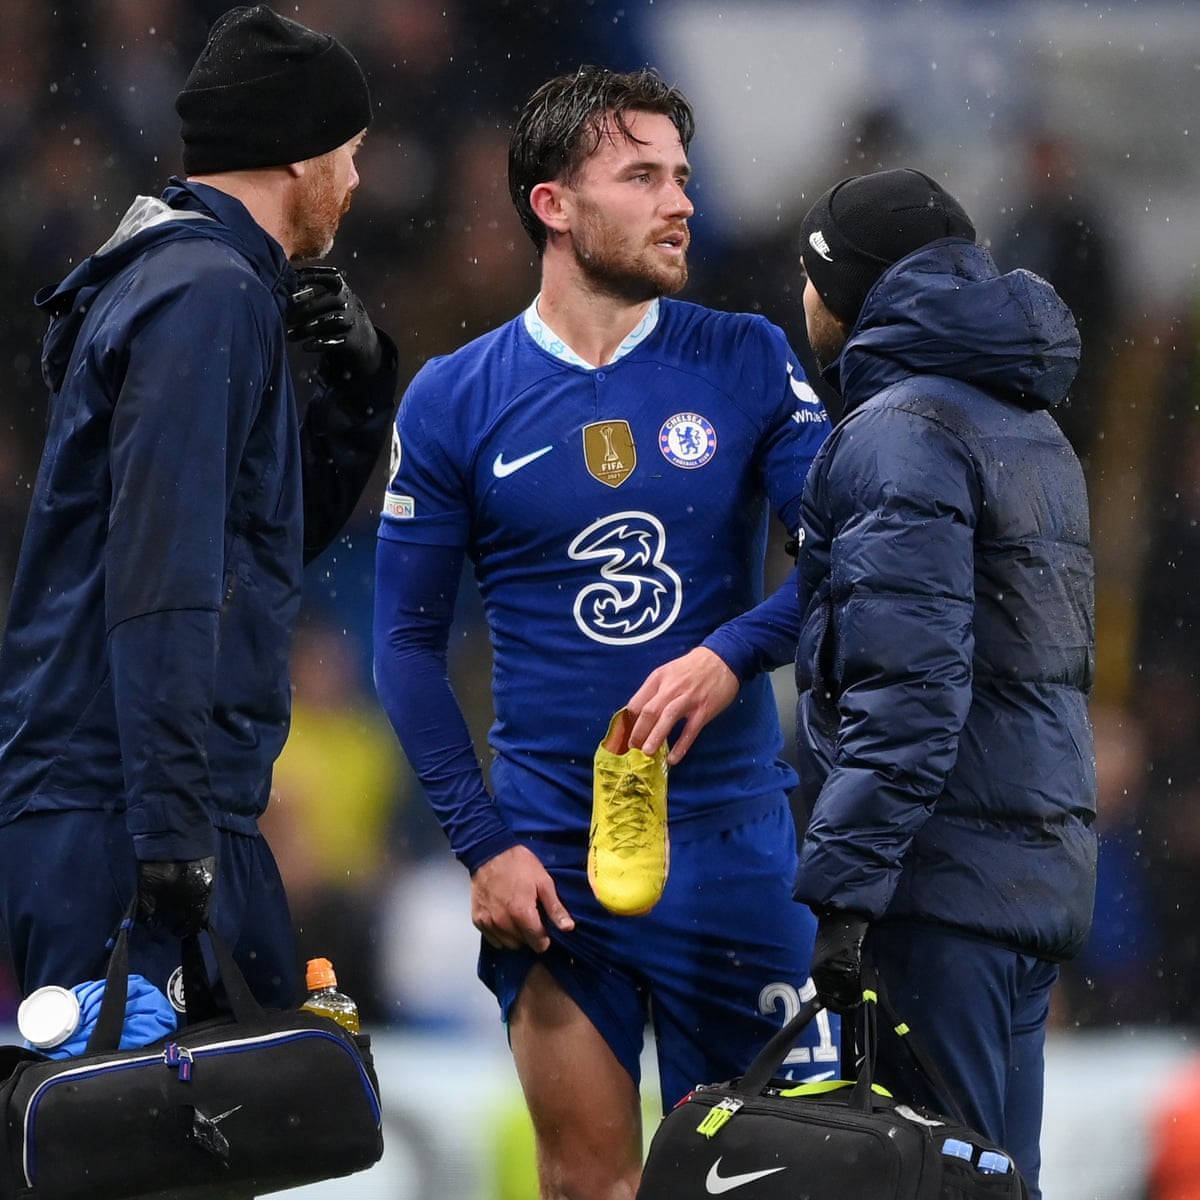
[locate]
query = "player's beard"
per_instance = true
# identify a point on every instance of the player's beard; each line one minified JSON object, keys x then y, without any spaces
{"x":316,"y":212}
{"x":616,"y":266}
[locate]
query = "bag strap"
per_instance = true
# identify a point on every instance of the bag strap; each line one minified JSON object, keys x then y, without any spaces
{"x":199,"y":992}
{"x":239,"y":1000}
{"x":924,"y":1063}
{"x":867,"y":1044}
{"x":106,"y":1035}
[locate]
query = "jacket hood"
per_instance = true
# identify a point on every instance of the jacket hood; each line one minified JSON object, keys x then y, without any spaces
{"x":184,"y":211}
{"x":946,"y":310}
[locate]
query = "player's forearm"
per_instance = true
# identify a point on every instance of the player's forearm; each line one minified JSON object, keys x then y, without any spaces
{"x":415,"y":589}
{"x":762,"y":638}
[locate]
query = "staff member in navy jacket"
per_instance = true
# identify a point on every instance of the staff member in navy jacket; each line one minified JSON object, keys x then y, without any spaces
{"x":143,"y":679}
{"x":947,"y":646}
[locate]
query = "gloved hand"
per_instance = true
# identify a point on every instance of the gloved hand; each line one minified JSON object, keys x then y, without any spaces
{"x":177,"y":894}
{"x":330,"y":320}
{"x":838,"y":960}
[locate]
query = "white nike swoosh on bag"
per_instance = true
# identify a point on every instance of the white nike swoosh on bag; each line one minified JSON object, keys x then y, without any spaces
{"x":500,"y":468}
{"x":715,"y":1183}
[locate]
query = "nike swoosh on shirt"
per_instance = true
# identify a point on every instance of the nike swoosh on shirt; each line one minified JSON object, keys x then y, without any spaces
{"x":500,"y":468}
{"x":715,"y":1184}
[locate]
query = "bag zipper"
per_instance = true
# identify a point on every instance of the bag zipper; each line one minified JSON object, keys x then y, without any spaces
{"x":235,"y":1044}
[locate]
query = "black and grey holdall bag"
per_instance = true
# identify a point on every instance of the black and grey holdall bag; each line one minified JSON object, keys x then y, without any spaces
{"x":233,"y":1104}
{"x":762,"y":1138}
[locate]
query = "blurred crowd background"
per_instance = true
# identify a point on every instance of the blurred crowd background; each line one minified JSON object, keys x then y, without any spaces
{"x":1069,"y":132}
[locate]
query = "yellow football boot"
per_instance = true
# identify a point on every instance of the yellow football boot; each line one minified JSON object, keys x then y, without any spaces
{"x":629,"y":853}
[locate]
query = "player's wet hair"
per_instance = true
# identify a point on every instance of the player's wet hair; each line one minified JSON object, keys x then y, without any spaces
{"x":563,"y":121}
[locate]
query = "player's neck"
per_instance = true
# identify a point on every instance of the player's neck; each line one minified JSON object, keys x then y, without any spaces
{"x":592,"y":323}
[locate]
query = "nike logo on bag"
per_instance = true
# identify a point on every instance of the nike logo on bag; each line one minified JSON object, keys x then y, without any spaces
{"x":502,"y":469}
{"x":715,"y":1183}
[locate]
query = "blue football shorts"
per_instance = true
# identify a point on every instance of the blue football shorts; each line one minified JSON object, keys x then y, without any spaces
{"x":716,"y":967}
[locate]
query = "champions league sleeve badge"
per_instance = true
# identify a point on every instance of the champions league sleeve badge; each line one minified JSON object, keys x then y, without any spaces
{"x":687,"y":440}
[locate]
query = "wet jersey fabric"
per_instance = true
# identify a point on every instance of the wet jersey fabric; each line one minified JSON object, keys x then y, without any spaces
{"x":616,"y":518}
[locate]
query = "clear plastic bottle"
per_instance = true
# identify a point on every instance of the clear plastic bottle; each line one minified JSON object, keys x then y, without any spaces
{"x":324,"y":997}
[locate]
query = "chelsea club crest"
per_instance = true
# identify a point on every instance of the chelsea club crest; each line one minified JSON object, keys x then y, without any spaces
{"x":687,"y":440}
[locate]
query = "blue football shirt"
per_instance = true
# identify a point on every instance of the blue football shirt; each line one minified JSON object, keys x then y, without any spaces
{"x":616,"y":517}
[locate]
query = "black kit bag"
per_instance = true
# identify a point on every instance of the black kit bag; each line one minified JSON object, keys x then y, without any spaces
{"x":236,"y":1103}
{"x":762,"y":1138}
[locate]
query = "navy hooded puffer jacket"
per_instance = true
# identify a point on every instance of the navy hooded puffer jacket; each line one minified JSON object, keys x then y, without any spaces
{"x":948,"y":641}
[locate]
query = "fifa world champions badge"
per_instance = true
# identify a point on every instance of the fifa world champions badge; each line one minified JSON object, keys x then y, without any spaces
{"x":609,"y":451}
{"x":687,"y":440}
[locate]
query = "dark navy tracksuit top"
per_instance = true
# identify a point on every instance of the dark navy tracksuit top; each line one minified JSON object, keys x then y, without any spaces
{"x":144,"y":665}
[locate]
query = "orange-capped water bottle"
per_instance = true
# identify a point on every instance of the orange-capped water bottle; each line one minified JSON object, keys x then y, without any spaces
{"x":324,"y":997}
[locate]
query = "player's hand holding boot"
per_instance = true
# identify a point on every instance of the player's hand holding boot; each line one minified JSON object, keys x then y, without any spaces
{"x":628,"y":846}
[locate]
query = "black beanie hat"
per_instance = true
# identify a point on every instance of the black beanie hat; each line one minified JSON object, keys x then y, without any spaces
{"x":858,"y":228}
{"x":267,"y":91}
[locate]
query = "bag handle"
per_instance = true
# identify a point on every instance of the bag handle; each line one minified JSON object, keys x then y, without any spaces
{"x":196,"y":983}
{"x":770,"y":1058}
{"x":197,"y":988}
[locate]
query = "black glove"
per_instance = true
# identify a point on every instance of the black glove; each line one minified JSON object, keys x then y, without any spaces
{"x":330,"y":320}
{"x":177,"y":894}
{"x":838,"y":960}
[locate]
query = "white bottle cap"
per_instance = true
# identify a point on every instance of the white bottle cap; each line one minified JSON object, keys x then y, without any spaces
{"x":48,"y":1016}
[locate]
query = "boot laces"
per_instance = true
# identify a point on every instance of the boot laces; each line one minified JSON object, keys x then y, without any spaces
{"x":630,"y":814}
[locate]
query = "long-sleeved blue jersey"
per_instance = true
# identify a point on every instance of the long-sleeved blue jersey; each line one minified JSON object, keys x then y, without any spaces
{"x":616,"y":518}
{"x":144,"y":665}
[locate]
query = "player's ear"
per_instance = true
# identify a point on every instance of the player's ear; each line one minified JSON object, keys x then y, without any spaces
{"x":551,"y":206}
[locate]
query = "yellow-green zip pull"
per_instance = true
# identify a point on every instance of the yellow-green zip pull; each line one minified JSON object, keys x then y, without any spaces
{"x":718,"y":1116}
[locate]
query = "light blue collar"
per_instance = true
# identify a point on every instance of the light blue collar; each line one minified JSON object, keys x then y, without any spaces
{"x":553,"y":344}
